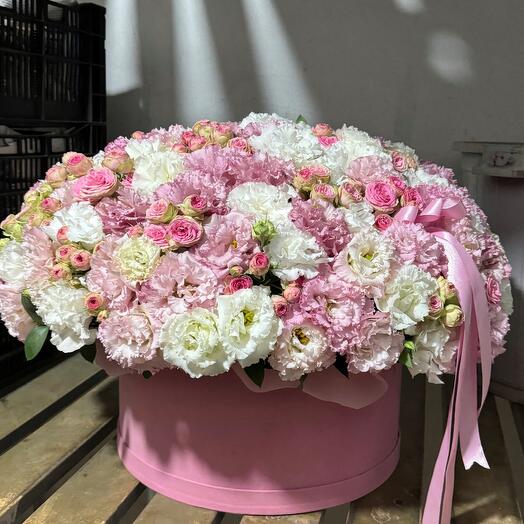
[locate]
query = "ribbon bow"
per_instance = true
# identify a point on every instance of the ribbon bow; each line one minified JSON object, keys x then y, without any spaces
{"x":462,"y":422}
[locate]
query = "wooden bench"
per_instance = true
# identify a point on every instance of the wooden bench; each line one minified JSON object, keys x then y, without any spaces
{"x":58,"y":461}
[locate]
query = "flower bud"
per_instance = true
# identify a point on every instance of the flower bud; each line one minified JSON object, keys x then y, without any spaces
{"x":322,"y":129}
{"x":12,"y":228}
{"x":61,"y":235}
{"x":138,"y":135}
{"x":280,"y":305}
{"x":452,"y":316}
{"x":447,"y":291}
{"x":323,"y":192}
{"x":94,"y":302}
{"x":50,"y":204}
{"x":196,"y":143}
{"x":161,"y":211}
{"x":350,"y":192}
{"x":236,"y":271}
{"x":77,"y":164}
{"x":263,"y":231}
{"x":179,"y":148}
{"x":383,"y":221}
{"x":259,"y":264}
{"x":81,"y":260}
{"x":31,"y":197}
{"x":61,"y":271}
{"x":435,"y":305}
{"x":234,"y":284}
{"x":102,"y":315}
{"x":119,"y":163}
{"x":292,"y":293}
{"x":56,"y":175}
{"x":194,"y":206}
{"x":63,"y":253}
{"x":222,"y":134}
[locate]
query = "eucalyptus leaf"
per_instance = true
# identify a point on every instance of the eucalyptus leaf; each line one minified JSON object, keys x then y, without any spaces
{"x":256,"y":372}
{"x":35,"y":341}
{"x":300,"y":120}
{"x":89,"y":352}
{"x":31,"y":309}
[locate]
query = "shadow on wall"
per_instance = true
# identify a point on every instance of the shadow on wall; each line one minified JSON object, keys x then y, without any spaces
{"x":427,"y":73}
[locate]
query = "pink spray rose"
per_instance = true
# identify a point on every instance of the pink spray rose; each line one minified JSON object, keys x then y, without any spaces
{"x":323,"y":192}
{"x":350,"y":191}
{"x":383,"y":221}
{"x":50,"y":204}
{"x":77,"y":164}
{"x":322,"y":129}
{"x":94,"y":302}
{"x":398,"y":184}
{"x":81,"y":260}
{"x":56,"y":175}
{"x":194,"y":205}
{"x":234,"y":284}
{"x":61,"y":235}
{"x":98,"y":183}
{"x":63,"y":253}
{"x":411,"y":197}
{"x":240,"y":144}
{"x":280,"y":305}
{"x":185,"y":231}
{"x":328,"y":141}
{"x":399,"y":161}
{"x":292,"y":293}
{"x":259,"y":264}
{"x":158,"y":233}
{"x":381,"y":196}
{"x":493,"y":290}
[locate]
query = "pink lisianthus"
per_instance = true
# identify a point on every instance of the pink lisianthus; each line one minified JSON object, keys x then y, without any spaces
{"x":127,"y":338}
{"x":323,"y":221}
{"x":370,"y":169}
{"x":77,"y":164}
{"x":228,"y":242}
{"x":178,"y":283}
{"x":377,"y":347}
{"x":159,"y":234}
{"x":105,"y":278}
{"x":96,"y":184}
{"x":126,"y":210}
{"x":184,"y":231}
{"x":13,"y":314}
{"x":382,"y":196}
{"x":414,"y":245}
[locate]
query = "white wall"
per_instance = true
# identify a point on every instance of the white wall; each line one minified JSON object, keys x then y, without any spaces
{"x":427,"y":72}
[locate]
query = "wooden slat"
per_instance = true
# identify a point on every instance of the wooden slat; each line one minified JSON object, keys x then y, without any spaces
{"x":162,"y":510}
{"x":24,"y":409}
{"x":33,"y":468}
{"x":101,"y":491}
{"x":398,"y":499}
{"x":304,"y":518}
{"x":486,"y":496}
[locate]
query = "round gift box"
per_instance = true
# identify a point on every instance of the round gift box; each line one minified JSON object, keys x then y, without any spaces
{"x":214,"y":443}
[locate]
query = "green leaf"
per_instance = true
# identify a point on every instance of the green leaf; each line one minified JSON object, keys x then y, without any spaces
{"x":300,"y":120}
{"x":89,"y":352}
{"x":256,"y":372}
{"x":406,"y":359}
{"x":31,"y":309}
{"x":34,"y":341}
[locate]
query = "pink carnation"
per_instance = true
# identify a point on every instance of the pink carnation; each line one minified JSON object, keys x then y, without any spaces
{"x":443,"y":172}
{"x":105,"y":278}
{"x":228,"y":242}
{"x":127,"y":338}
{"x":414,"y":245}
{"x":13,"y":314}
{"x":322,"y":220}
{"x":180,"y":282}
{"x":126,"y":210}
{"x":39,"y":255}
{"x":368,"y":169}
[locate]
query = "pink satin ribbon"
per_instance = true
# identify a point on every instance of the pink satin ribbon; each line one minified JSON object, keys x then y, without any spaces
{"x":462,"y":422}
{"x":330,"y":385}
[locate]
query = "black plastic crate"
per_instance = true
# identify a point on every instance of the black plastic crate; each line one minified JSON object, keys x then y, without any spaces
{"x":52,"y":60}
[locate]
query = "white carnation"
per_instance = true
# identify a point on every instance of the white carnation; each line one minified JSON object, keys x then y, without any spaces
{"x":294,"y":253}
{"x":406,"y":296}
{"x":98,"y":159}
{"x":366,"y":260}
{"x":154,"y":164}
{"x":288,"y":141}
{"x":420,"y":177}
{"x":247,"y":324}
{"x":300,"y":350}
{"x":433,"y":350}
{"x":62,"y":308}
{"x":262,"y":200}
{"x":358,"y":216}
{"x":262,"y":119}
{"x":84,"y":224}
{"x":191,"y":342}
{"x":13,"y":265}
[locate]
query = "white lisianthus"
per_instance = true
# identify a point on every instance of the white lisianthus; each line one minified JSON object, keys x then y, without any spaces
{"x":84,"y":225}
{"x":262,"y":119}
{"x":154,"y":164}
{"x":406,"y":296}
{"x":262,"y":200}
{"x":366,"y":260}
{"x":420,"y":177}
{"x":13,"y":265}
{"x":191,"y":342}
{"x":432,"y":353}
{"x":288,"y":141}
{"x":352,"y":144}
{"x":294,"y":253}
{"x":137,"y":257}
{"x":506,"y":301}
{"x":358,"y":216}
{"x":300,"y":350}
{"x":247,"y":324}
{"x":62,"y":308}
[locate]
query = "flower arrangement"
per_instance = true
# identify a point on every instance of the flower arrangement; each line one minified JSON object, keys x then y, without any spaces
{"x":266,"y":242}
